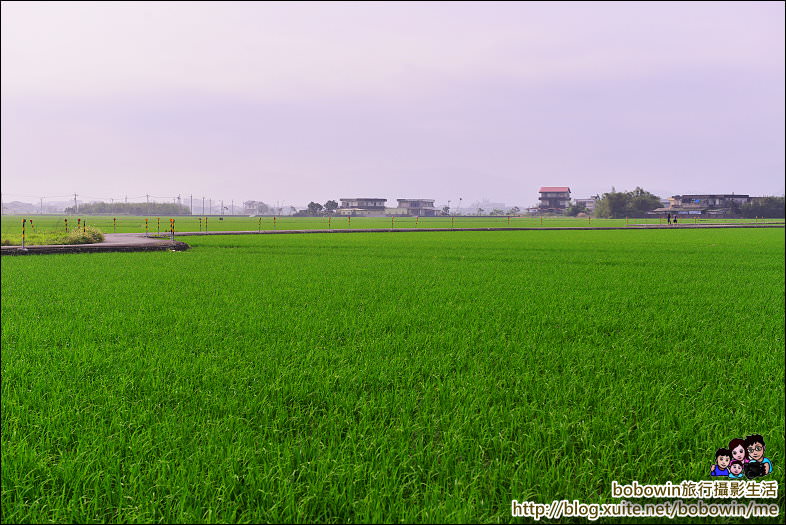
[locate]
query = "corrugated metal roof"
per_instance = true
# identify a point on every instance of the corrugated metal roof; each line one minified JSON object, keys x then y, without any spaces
{"x":553,"y":188}
{"x":680,"y":208}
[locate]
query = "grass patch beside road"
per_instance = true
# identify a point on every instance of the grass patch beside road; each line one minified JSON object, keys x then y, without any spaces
{"x":87,"y":236}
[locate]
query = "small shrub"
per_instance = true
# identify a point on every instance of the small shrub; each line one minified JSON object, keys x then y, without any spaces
{"x":87,"y":236}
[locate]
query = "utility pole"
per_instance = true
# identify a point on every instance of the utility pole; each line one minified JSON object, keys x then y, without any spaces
{"x":222,"y":208}
{"x":210,"y":201}
{"x":191,"y":197}
{"x":76,"y":206}
{"x":233,"y":207}
{"x":42,"y":205}
{"x":148,"y":203}
{"x":203,"y":206}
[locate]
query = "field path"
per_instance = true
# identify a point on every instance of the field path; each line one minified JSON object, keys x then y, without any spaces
{"x":138,"y":242}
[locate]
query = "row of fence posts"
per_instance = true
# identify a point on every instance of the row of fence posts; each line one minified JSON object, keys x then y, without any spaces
{"x":171,"y":226}
{"x":259,"y":224}
{"x":32,"y":225}
{"x":200,"y":223}
{"x":24,"y":230}
{"x":79,"y":224}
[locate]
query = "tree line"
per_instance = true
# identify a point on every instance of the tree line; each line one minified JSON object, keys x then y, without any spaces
{"x":620,"y":204}
{"x":636,"y":203}
{"x":768,"y":207}
{"x":129,"y":208}
{"x":316,"y":209}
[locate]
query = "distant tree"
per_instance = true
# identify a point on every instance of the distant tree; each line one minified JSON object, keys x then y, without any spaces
{"x":480,"y":211}
{"x":446,"y":210}
{"x":616,"y":205}
{"x":640,"y":202}
{"x":514,"y":210}
{"x":575,"y":209}
{"x":314,"y":208}
{"x":331,"y":206}
{"x":769,"y":207}
{"x":735,"y":209}
{"x":497,"y":211}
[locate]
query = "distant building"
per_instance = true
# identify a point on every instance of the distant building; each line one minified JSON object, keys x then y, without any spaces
{"x":253,"y":208}
{"x":361,"y":206}
{"x":687,"y":209}
{"x":703,"y":204}
{"x":710,"y":201}
{"x":589,"y":204}
{"x":758,"y":200}
{"x":416,"y":207}
{"x":554,"y":198}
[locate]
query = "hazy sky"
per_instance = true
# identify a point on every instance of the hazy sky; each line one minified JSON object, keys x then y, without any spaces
{"x":294,"y":102}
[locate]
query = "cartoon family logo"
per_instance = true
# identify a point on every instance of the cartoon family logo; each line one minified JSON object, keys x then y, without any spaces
{"x":743,"y":458}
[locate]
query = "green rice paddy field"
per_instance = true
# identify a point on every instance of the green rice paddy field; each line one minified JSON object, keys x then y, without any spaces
{"x":374,"y":377}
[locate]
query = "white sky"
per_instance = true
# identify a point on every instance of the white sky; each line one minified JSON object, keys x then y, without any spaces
{"x":301,"y":101}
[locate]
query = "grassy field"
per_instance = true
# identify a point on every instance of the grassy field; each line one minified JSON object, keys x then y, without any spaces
{"x":11,"y":225}
{"x":42,"y":236}
{"x":377,"y":377}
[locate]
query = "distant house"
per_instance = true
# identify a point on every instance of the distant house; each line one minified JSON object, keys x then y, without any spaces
{"x":710,"y":200}
{"x":703,"y":204}
{"x":589,"y":204}
{"x":254,"y":208}
{"x":361,"y":206}
{"x":554,"y":198}
{"x":686,"y":209}
{"x":417,"y":207}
